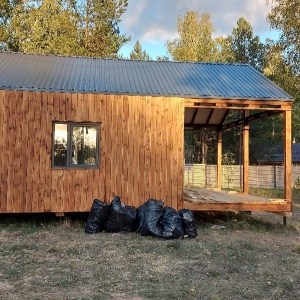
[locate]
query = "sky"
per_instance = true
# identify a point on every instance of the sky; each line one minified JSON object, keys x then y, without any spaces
{"x":153,"y":22}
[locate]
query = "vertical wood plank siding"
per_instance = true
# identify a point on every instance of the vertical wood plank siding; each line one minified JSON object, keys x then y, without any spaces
{"x":141,"y":151}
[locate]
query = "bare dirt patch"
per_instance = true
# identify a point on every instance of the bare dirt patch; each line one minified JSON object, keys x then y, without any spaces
{"x":235,"y":256}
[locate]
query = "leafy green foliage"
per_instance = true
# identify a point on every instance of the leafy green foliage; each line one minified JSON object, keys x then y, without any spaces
{"x":195,"y":42}
{"x":138,"y":53}
{"x":284,"y":17}
{"x":99,"y":27}
{"x":228,"y":160}
{"x":87,"y":27}
{"x":6,"y":13}
{"x":297,"y":184}
{"x":47,"y":28}
{"x":246,"y":47}
{"x":199,"y":146}
{"x":283,"y":74}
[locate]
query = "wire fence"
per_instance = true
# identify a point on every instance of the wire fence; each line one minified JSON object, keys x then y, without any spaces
{"x":201,"y":175}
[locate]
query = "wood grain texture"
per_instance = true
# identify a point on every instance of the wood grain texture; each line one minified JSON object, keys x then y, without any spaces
{"x":141,"y":151}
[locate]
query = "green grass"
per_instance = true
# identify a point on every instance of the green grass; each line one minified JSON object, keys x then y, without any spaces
{"x":248,"y":259}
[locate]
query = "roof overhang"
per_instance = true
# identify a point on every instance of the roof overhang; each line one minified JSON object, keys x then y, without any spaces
{"x":212,"y":113}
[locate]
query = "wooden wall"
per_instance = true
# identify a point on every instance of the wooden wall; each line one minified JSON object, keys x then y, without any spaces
{"x":141,"y":152}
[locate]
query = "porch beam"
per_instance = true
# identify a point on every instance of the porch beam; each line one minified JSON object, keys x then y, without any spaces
{"x":249,"y":119}
{"x":276,"y":206}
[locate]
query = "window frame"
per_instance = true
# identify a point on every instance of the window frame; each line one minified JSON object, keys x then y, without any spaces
{"x":70,"y":126}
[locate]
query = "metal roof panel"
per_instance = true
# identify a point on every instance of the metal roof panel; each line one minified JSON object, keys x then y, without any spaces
{"x":55,"y":73}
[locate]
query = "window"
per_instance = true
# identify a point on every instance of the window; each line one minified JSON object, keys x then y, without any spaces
{"x":75,"y":145}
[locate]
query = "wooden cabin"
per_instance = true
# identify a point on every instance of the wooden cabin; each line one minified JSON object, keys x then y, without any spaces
{"x":77,"y":128}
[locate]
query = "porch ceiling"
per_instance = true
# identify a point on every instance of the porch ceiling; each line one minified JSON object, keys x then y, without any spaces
{"x":200,"y":117}
{"x":212,"y":113}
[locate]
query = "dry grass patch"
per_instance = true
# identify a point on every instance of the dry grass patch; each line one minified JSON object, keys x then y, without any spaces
{"x":250,"y":258}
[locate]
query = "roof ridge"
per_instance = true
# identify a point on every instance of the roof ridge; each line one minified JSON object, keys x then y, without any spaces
{"x":126,"y":59}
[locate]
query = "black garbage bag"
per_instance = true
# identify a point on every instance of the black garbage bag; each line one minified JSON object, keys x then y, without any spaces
{"x":171,"y":224}
{"x":97,"y":217}
{"x":121,"y":217}
{"x":151,"y":224}
{"x":188,"y":223}
{"x":140,"y":215}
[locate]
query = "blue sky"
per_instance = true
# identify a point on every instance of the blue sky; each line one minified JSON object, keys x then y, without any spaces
{"x":154,"y":22}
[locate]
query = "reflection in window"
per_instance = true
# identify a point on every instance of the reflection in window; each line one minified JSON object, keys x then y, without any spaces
{"x":75,"y":144}
{"x":84,"y":143}
{"x":60,"y":144}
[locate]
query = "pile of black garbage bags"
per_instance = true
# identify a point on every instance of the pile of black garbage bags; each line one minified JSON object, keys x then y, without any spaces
{"x":151,"y":218}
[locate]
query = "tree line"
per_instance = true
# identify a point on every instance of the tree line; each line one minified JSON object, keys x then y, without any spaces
{"x":91,"y":28}
{"x":66,"y":27}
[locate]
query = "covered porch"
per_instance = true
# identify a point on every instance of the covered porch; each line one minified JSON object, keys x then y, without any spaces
{"x":210,"y":114}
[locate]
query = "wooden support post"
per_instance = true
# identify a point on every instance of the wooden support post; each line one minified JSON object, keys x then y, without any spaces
{"x":219,"y":160}
{"x":60,"y":214}
{"x":288,"y":155}
{"x":246,"y":154}
{"x":284,"y":220}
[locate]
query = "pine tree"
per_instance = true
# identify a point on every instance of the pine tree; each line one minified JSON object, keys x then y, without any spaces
{"x":246,"y":47}
{"x":138,"y":53}
{"x":99,"y":27}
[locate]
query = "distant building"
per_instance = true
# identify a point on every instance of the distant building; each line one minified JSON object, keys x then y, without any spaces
{"x":275,"y":156}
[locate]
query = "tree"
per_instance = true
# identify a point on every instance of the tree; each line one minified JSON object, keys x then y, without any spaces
{"x":87,"y":27}
{"x":283,"y":74}
{"x":246,"y":47}
{"x":138,"y":52}
{"x":195,"y":41}
{"x":228,"y":162}
{"x":278,"y":70}
{"x":99,"y":27}
{"x":199,"y":146}
{"x":285,"y":17}
{"x":6,"y":13}
{"x":162,"y":58}
{"x":284,"y":56}
{"x":47,"y":27}
{"x":224,"y":50}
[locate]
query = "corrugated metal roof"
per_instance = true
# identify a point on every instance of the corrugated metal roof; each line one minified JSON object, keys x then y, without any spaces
{"x":19,"y":71}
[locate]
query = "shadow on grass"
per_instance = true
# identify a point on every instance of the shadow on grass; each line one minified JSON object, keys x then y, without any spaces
{"x":237,"y":221}
{"x":32,"y":223}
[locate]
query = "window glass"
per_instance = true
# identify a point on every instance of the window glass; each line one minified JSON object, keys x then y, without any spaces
{"x":60,"y":144}
{"x":84,"y":142}
{"x":75,"y":144}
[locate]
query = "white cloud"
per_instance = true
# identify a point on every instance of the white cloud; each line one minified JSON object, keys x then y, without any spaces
{"x":155,"y":21}
{"x":134,"y":13}
{"x":157,"y":34}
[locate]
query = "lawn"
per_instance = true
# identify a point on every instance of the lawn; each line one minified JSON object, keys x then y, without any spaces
{"x":234,"y":256}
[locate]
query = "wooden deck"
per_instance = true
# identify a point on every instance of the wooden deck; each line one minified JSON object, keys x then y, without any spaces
{"x":220,"y":200}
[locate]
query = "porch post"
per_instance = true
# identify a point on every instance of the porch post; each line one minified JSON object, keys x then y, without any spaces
{"x":219,"y":160}
{"x":246,"y":155}
{"x":288,"y":155}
